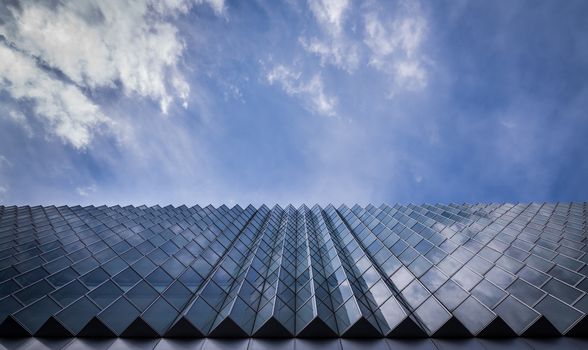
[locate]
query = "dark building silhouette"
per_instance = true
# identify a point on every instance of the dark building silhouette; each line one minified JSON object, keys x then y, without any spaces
{"x":449,"y":275}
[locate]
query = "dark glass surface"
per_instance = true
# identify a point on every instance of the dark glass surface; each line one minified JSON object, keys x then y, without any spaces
{"x":401,"y":270}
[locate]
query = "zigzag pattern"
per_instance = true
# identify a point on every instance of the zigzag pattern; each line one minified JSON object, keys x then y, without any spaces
{"x":484,"y":270}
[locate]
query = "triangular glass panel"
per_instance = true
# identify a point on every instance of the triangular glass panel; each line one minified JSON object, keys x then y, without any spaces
{"x":407,"y":328}
{"x":541,"y":328}
{"x":183,"y":329}
{"x":272,"y":328}
{"x":53,"y":328}
{"x":496,"y":329}
{"x":452,"y":328}
{"x":317,"y":328}
{"x":228,"y":328}
{"x":12,"y":328}
{"x":96,"y":328}
{"x":139,"y":329}
{"x":362,"y":328}
{"x":579,"y":329}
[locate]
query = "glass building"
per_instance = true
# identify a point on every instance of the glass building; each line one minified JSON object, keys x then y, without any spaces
{"x":435,"y":276}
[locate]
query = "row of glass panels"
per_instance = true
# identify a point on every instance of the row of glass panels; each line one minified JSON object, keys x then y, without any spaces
{"x":429,"y":270}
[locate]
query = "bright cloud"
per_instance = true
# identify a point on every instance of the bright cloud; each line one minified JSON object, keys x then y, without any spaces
{"x":94,"y":44}
{"x":4,"y":162}
{"x":333,"y":46}
{"x":311,"y":92}
{"x":85,"y":191}
{"x":66,"y":111}
{"x":392,"y":42}
{"x":21,"y":120}
{"x":3,"y":190}
{"x":395,"y":46}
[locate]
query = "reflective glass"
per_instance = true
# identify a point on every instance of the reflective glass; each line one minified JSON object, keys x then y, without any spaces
{"x":126,"y":279}
{"x":105,"y":294}
{"x":159,"y":279}
{"x":119,"y":315}
{"x":77,"y":315}
{"x":33,"y":316}
{"x":160,"y":315}
{"x":516,"y":314}
{"x":142,"y":295}
{"x":267,"y":269}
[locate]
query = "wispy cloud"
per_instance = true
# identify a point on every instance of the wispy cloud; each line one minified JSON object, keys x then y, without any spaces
{"x":416,"y":107}
{"x":392,"y":42}
{"x":332,"y":45}
{"x":3,"y":190}
{"x":85,"y":191}
{"x":21,"y":120}
{"x":311,"y":92}
{"x":56,"y":55}
{"x":64,"y":109}
{"x":4,"y":162}
{"x":395,"y":45}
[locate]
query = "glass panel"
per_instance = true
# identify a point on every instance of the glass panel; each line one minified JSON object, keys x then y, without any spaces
{"x":499,"y":277}
{"x":561,"y":290}
{"x":488,"y":293}
{"x":160,"y":315}
{"x":63,"y":277}
{"x":559,"y":314}
{"x":70,"y":292}
{"x":191,"y":279}
{"x":8,"y":305}
{"x":473,"y":315}
{"x":31,"y":277}
{"x":433,"y":279}
{"x":451,"y":295}
{"x":401,"y":278}
{"x":144,"y":266}
{"x":177,"y":295}
{"x":119,"y":315}
{"x":516,"y":314}
{"x":34,"y":292}
{"x":415,"y":294}
{"x":525,"y":292}
{"x":33,"y":316}
{"x":126,"y":279}
{"x":105,"y":294}
{"x":347,"y":314}
{"x":432,"y":314}
{"x":77,"y":315}
{"x":142,"y":295}
{"x":466,"y":278}
{"x":173,"y":267}
{"x":159,"y":279}
{"x":94,"y":278}
{"x":8,"y":287}
{"x":213,"y":295}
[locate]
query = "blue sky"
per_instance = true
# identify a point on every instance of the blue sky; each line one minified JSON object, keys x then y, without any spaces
{"x":225,"y":102}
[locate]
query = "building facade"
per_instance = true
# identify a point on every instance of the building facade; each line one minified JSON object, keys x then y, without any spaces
{"x":405,"y":271}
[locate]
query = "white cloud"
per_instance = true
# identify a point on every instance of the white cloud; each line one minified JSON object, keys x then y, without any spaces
{"x":330,"y":13}
{"x":173,"y":6}
{"x":507,"y":123}
{"x":20,"y":119}
{"x":393,"y":43}
{"x":85,"y":191}
{"x":4,"y":161}
{"x":95,"y":44}
{"x":311,"y":92}
{"x":395,"y":46}
{"x":333,"y":47}
{"x":66,"y":111}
